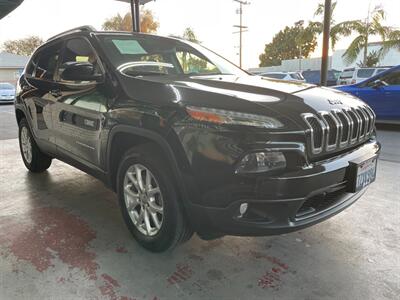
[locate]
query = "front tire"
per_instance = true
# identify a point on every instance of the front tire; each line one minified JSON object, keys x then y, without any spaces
{"x":149,"y":202}
{"x":34,"y":159}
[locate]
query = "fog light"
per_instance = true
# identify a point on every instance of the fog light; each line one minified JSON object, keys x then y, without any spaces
{"x":243,"y":209}
{"x":259,"y":162}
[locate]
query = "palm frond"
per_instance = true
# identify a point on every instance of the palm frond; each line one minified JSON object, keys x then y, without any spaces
{"x":392,"y":42}
{"x":354,"y":49}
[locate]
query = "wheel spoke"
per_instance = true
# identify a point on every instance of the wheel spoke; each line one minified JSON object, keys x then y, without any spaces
{"x":147,"y":221}
{"x":155,"y":220}
{"x":153,"y":191}
{"x":155,"y":208}
{"x":140,"y":217}
{"x":139,"y":178}
{"x":148,"y":180}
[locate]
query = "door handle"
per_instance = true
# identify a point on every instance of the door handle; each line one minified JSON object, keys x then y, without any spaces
{"x":55,"y":93}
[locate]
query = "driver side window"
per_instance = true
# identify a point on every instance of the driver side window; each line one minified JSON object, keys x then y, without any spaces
{"x":78,"y":50}
{"x":392,"y":78}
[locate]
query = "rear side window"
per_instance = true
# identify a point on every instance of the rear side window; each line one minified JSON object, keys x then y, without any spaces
{"x":47,"y":62}
{"x":31,"y":68}
{"x":365,"y":73}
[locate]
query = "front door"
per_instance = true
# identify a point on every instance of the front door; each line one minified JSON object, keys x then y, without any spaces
{"x":79,"y":112}
{"x":40,"y":98}
{"x":384,"y":99}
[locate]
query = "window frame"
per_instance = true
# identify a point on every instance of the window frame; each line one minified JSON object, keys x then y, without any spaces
{"x":38,"y":55}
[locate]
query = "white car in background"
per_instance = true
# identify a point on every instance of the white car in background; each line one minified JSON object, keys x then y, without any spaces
{"x":357,"y":75}
{"x":7,"y":92}
{"x":290,"y":76}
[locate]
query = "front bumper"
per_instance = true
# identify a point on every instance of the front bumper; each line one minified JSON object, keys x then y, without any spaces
{"x":287,"y":202}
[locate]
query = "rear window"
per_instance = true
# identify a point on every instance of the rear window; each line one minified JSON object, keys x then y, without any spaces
{"x":6,"y":86}
{"x":365,"y":73}
{"x":347,"y":74}
{"x":276,"y":76}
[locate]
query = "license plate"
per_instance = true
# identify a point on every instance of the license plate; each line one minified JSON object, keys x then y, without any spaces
{"x":362,"y":174}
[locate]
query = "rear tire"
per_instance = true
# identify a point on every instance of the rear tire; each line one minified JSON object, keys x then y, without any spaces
{"x":151,"y":209}
{"x":34,"y":159}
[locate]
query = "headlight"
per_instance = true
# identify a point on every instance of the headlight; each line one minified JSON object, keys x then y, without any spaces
{"x":220,"y":116}
{"x":260,"y":162}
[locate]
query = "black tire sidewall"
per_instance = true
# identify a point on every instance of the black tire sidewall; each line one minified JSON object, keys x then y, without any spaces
{"x":172,"y":222}
{"x":23,"y":124}
{"x":40,"y":162}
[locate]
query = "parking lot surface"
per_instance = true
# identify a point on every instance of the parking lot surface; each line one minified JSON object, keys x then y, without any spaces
{"x":62,"y":237}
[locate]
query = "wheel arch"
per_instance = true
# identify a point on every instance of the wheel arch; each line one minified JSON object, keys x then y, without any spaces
{"x":123,"y":137}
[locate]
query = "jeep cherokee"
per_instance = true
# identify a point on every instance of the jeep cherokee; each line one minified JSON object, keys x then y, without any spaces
{"x":190,"y":142}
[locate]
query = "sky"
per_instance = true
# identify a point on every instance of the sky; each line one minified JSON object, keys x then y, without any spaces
{"x":212,"y":20}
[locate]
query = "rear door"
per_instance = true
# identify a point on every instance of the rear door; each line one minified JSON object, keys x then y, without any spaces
{"x":79,"y":113}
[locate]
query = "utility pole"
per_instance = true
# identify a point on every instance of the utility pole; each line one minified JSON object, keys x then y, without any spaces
{"x":325,"y":44}
{"x":299,"y":41}
{"x":135,"y":11}
{"x":242,"y":29}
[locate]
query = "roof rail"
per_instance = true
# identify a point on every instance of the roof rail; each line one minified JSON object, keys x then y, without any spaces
{"x":87,"y":28}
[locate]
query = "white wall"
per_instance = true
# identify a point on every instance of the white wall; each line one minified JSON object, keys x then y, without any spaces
{"x":335,"y":62}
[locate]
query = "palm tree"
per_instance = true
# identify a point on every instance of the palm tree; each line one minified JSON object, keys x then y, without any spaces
{"x":337,"y":30}
{"x":364,"y":30}
{"x":392,"y":42}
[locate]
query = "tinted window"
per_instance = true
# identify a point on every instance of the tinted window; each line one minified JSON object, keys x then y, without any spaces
{"x":173,"y":56}
{"x":276,"y":76}
{"x":365,"y":73}
{"x":392,"y":78}
{"x":47,"y":63}
{"x":30,"y":69}
{"x":78,"y":50}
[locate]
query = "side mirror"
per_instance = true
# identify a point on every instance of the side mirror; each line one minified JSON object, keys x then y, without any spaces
{"x":80,"y":71}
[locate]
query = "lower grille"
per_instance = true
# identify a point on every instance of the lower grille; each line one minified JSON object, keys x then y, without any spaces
{"x":319,"y":203}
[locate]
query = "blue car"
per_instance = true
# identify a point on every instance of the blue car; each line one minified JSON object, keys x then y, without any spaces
{"x":381,"y":92}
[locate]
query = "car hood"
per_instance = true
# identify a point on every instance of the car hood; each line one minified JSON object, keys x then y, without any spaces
{"x":250,"y":94}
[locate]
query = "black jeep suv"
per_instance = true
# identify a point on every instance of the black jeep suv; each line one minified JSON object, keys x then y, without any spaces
{"x":190,"y":142}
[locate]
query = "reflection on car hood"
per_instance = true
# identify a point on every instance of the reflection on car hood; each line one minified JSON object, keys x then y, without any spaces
{"x":250,"y":94}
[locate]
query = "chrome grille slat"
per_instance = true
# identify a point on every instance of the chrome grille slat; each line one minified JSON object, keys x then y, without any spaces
{"x":337,"y":129}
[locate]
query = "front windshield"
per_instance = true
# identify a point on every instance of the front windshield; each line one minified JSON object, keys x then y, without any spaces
{"x":141,"y":55}
{"x":6,"y":86}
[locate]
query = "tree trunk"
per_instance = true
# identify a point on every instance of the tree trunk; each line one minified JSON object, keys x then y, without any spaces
{"x":365,"y":51}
